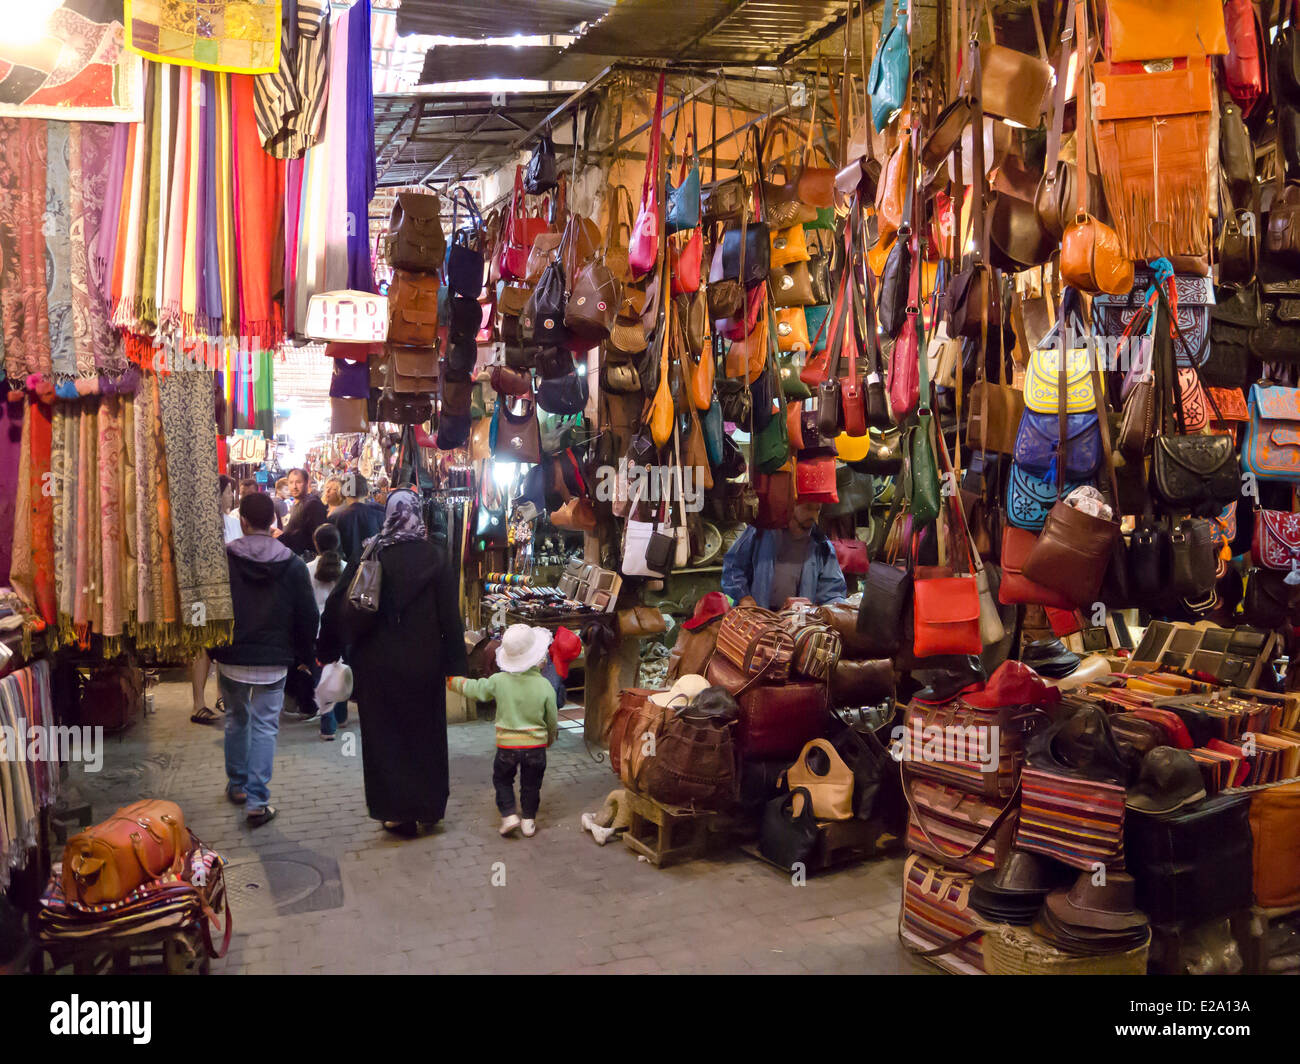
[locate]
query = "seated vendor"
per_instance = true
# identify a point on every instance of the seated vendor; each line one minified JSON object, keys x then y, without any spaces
{"x":768,"y":566}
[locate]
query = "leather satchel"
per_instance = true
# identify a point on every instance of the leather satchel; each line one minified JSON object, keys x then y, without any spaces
{"x":1072,"y":553}
{"x":1282,"y":240}
{"x":856,"y":682}
{"x":1013,"y":85}
{"x":413,"y":308}
{"x":789,"y":833}
{"x":1142,"y":30}
{"x":138,"y":844}
{"x":755,"y":641}
{"x":415,"y":237}
{"x":1016,"y":589}
{"x":1275,"y":543}
{"x":963,"y":831}
{"x":694,"y":763}
{"x":973,"y":768}
{"x":886,"y":596}
{"x":1271,"y":449}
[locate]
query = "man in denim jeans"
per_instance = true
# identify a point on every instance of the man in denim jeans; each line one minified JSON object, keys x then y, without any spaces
{"x":275,"y":631}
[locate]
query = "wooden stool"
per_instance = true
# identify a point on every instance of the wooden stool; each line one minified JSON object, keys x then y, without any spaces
{"x":666,"y":835}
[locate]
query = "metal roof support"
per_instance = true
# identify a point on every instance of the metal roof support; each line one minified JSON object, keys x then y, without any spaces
{"x":667,"y":111}
{"x":452,"y":151}
{"x":410,"y":111}
{"x":397,"y":155}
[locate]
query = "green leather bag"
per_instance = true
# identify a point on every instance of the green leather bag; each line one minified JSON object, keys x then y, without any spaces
{"x":923,"y":472}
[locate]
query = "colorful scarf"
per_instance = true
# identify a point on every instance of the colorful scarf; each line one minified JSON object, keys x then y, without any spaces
{"x":180,"y":183}
{"x":11,"y":445}
{"x":259,"y":191}
{"x":359,"y":159}
{"x":146,"y":304}
{"x":23,"y":302}
{"x":225,"y":213}
{"x":63,"y":466}
{"x":31,"y":571}
{"x":107,"y":242}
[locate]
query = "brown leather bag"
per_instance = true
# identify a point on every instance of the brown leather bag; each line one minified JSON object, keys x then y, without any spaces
{"x":405,"y":370}
{"x":1275,"y":824}
{"x":1014,"y":84}
{"x":861,"y":682}
{"x":415,"y":237}
{"x":691,"y":653}
{"x":413,"y":309}
{"x":139,"y":843}
{"x":694,"y":762}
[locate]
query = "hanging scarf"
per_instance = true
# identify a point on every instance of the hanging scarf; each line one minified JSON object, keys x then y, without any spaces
{"x":63,"y":466}
{"x":106,"y":241}
{"x":36,"y":321}
{"x":146,"y":306}
{"x":127,"y":492}
{"x":225,"y":214}
{"x":11,"y":445}
{"x":98,"y":146}
{"x":32,"y":569}
{"x":359,"y":158}
{"x":58,"y":265}
{"x":294,"y":170}
{"x":148,"y":555}
{"x":190,"y":265}
{"x":171,"y":315}
{"x":86,"y":550}
{"x":167,"y":102}
{"x":130,"y":238}
{"x":336,"y":144}
{"x":403,"y":521}
{"x":109,"y":510}
{"x":202,"y":576}
{"x":259,"y":184}
{"x":10,"y":274}
{"x":23,"y":297}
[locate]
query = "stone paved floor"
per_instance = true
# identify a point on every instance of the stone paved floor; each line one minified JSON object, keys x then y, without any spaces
{"x":429,"y":904}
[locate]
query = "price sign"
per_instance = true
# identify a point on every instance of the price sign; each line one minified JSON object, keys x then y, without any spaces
{"x":247,"y":446}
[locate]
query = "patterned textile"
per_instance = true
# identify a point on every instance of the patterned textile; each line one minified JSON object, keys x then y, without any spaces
{"x":26,"y":785}
{"x":1078,"y":821}
{"x":360,"y":156}
{"x":202,"y":577}
{"x":291,"y":101}
{"x":96,"y":344}
{"x":237,"y":36}
{"x":23,"y":303}
{"x":11,"y":444}
{"x":93,"y":78}
{"x":31,"y":571}
{"x":57,"y":231}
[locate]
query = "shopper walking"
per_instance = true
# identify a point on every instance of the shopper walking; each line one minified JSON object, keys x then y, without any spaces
{"x":325,"y":571}
{"x":308,"y":513}
{"x":400,"y":656}
{"x":527,"y":722}
{"x":358,"y":518}
{"x":275,"y":622}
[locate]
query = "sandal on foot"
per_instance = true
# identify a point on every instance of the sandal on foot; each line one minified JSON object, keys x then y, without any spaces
{"x":408,"y":829}
{"x":204,"y":716}
{"x":257,"y":817}
{"x":236,"y":795}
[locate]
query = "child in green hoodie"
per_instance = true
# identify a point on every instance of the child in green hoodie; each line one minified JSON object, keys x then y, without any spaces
{"x":527,"y":722}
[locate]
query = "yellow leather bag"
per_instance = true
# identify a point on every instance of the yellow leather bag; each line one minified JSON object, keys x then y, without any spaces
{"x":829,"y":780}
{"x":1043,"y":379}
{"x":789,"y":245}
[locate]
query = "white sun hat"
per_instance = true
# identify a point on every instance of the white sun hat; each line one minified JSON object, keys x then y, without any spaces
{"x":522,"y":647}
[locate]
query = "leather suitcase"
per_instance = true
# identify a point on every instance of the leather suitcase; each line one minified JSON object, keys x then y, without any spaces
{"x":1193,"y":865}
{"x":775,"y":720}
{"x":1275,"y":826}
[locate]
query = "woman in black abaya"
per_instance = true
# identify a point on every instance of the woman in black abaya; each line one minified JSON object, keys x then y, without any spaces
{"x":400,"y":656}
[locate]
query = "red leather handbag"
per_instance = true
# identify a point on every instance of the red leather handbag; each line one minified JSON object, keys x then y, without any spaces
{"x":739,"y":328}
{"x":686,"y":263}
{"x":852,"y":555}
{"x":904,"y":363}
{"x":1245,"y":73}
{"x":520,"y":232}
{"x":1015,"y":589}
{"x":815,"y":479}
{"x":794,"y":425}
{"x":1276,"y":540}
{"x":776,"y":720}
{"x":643,"y":247}
{"x":945,"y":613}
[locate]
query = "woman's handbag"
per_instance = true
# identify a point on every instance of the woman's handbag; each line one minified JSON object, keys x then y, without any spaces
{"x":643,"y":247}
{"x":363,"y":592}
{"x":891,"y":66}
{"x":542,"y":174}
{"x":946,"y":616}
{"x":684,"y":200}
{"x":517,"y":437}
{"x":820,"y":772}
{"x":520,"y":232}
{"x":789,"y":833}
{"x":756,"y":642}
{"x":649,"y":547}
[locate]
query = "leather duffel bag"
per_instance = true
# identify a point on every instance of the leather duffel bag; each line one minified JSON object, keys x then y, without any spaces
{"x":861,"y":682}
{"x":139,"y":843}
{"x":776,"y":720}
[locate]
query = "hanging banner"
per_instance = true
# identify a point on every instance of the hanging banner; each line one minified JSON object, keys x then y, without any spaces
{"x":67,"y":60}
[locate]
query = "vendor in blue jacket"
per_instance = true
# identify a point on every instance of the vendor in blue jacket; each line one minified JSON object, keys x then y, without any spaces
{"x":769,"y":566}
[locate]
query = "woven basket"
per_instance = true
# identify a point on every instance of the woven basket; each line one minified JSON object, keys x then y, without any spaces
{"x":1017,"y":951}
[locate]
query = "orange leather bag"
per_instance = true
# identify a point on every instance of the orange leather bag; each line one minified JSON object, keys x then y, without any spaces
{"x":1275,"y":825}
{"x":1091,"y":258}
{"x":139,"y":843}
{"x":1140,"y":30}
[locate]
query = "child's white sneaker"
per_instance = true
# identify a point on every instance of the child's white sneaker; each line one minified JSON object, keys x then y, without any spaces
{"x":509,"y":824}
{"x":530,"y":828}
{"x":601,"y":835}
{"x":588,"y":821}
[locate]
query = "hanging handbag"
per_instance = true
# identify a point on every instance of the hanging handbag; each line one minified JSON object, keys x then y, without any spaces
{"x":563,"y":395}
{"x":542,"y":174}
{"x":1193,"y":560}
{"x":413,"y":309}
{"x":684,"y":200}
{"x":643,"y":247}
{"x":465,"y":255}
{"x":592,"y":306}
{"x":1276,"y":541}
{"x":519,"y":233}
{"x":517,"y":437}
{"x":815,"y":480}
{"x":945,"y":615}
{"x":891,"y":66}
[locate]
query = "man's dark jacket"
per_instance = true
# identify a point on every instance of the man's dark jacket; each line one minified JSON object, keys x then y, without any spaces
{"x":275,"y":610}
{"x":356,"y":522}
{"x":308,"y":514}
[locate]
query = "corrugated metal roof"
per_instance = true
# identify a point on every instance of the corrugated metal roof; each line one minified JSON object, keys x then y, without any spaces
{"x":497,"y":18}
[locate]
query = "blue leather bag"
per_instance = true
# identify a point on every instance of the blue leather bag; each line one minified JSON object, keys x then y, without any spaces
{"x":814,"y":316}
{"x":1029,"y":498}
{"x":891,"y":66}
{"x":1038,"y":440}
{"x":711,"y":424}
{"x":684,"y":200}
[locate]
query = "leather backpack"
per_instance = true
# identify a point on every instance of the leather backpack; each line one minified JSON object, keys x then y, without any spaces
{"x":694,"y":763}
{"x":139,"y":843}
{"x":413,"y":309}
{"x":415,"y":237}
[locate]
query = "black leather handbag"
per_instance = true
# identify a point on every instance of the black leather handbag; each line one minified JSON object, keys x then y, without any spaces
{"x":1192,"y":473}
{"x":757,"y":253}
{"x":1270,"y":602}
{"x":1193,"y":559}
{"x":886,"y":596}
{"x":789,"y":832}
{"x":465,"y":255}
{"x":1148,"y":561}
{"x":563,"y":395}
{"x":884,"y":455}
{"x":542,"y":174}
{"x":892,"y":304}
{"x":542,"y":321}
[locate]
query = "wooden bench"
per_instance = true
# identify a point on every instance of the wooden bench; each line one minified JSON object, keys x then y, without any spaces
{"x":666,"y":835}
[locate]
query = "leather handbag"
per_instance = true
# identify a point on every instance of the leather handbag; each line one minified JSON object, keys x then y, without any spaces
{"x":592,"y":305}
{"x":643,"y":246}
{"x":945,"y":615}
{"x":856,"y":682}
{"x":563,"y":395}
{"x":1013,"y":85}
{"x":465,"y":255}
{"x":1038,"y":444}
{"x":541,"y":174}
{"x":518,"y":235}
{"x":1072,"y":553}
{"x":507,"y":381}
{"x":138,"y":844}
{"x":756,"y":642}
{"x":996,"y":411}
{"x":1269,"y":602}
{"x":1245,"y":67}
{"x":776,"y":719}
{"x":684,"y":200}
{"x":405,"y":370}
{"x":821,"y":773}
{"x":1193,"y":559}
{"x":1282,"y":238}
{"x":367,"y":583}
{"x":1271,"y":449}
{"x":817,"y":646}
{"x":789,"y":832}
{"x":1142,"y":30}
{"x":1275,"y":543}
{"x":413,"y":308}
{"x":791,"y":285}
{"x":694,"y":762}
{"x":891,"y":66}
{"x":518,"y":436}
{"x":541,"y":255}
{"x":722,"y":201}
{"x":884,"y":453}
{"x":415,"y":237}
{"x":1016,"y":589}
{"x":745,"y":255}
{"x":1236,"y":154}
{"x":1029,"y":498}
{"x":788,"y":246}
